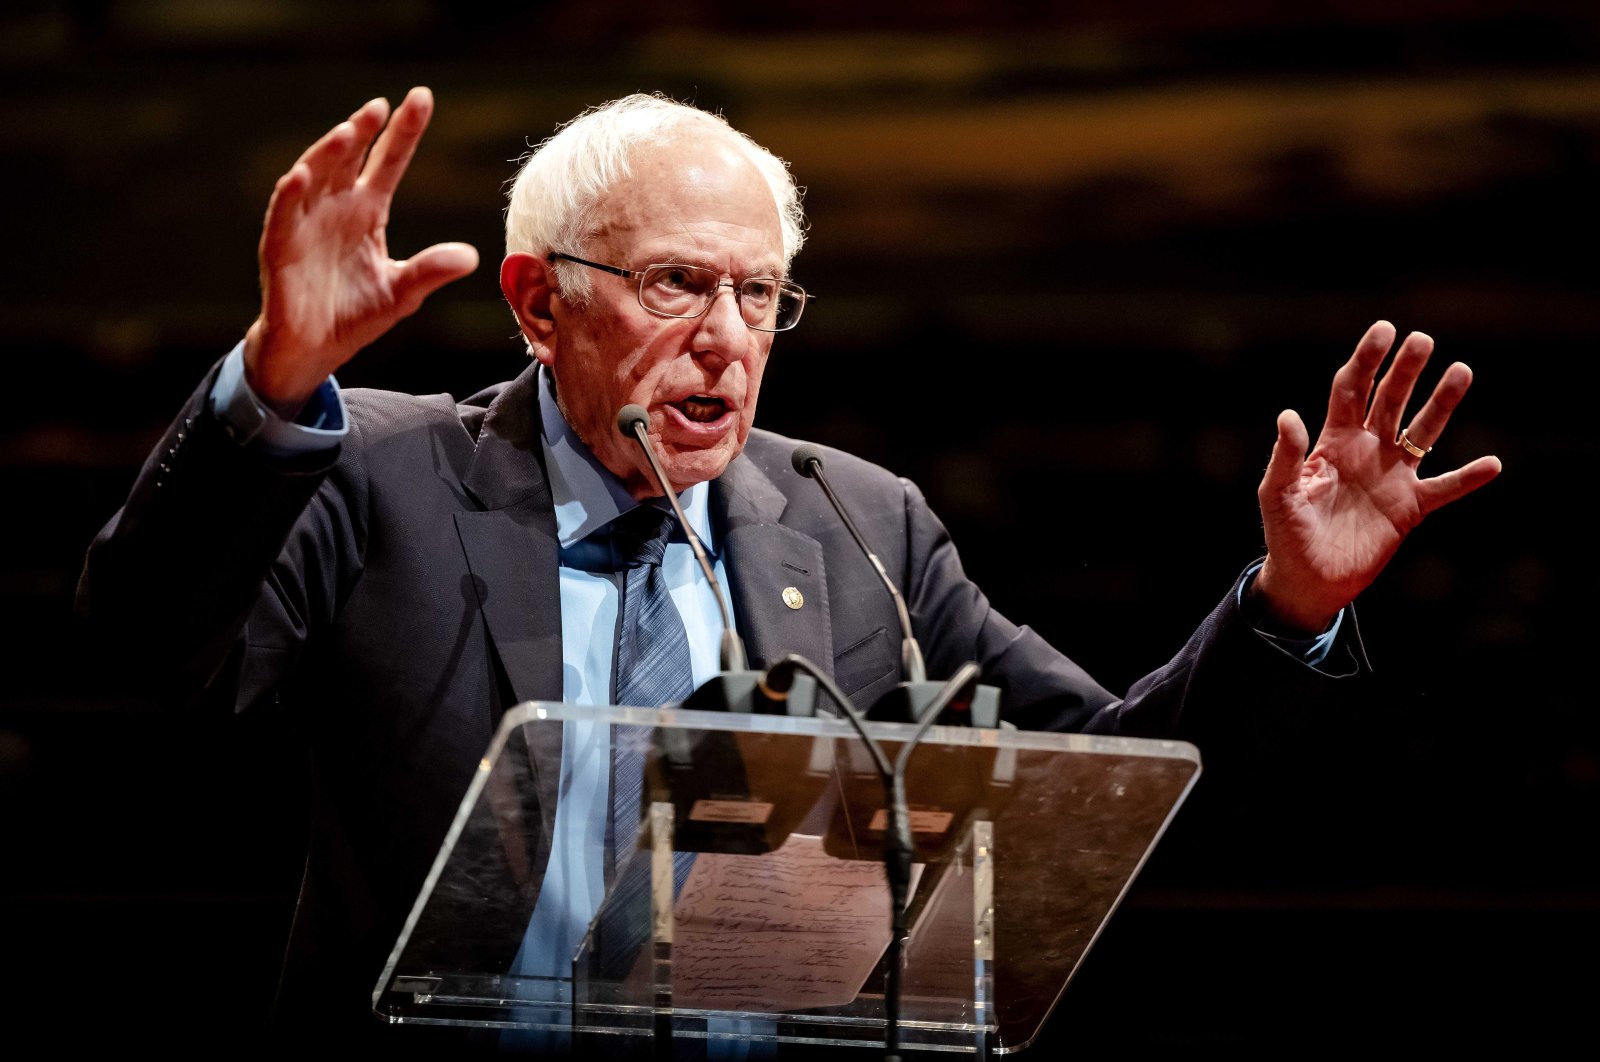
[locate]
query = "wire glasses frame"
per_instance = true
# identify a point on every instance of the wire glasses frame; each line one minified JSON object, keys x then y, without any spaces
{"x":670,"y":289}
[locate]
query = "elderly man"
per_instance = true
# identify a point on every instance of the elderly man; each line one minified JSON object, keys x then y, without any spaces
{"x":396,"y":571}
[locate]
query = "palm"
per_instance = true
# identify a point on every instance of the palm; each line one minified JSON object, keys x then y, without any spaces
{"x":1335,"y":518}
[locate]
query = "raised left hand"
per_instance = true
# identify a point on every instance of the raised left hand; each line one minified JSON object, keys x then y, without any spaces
{"x":1335,"y":517}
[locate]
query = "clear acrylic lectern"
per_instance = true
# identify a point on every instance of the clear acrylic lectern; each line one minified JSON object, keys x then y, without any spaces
{"x":776,"y":923}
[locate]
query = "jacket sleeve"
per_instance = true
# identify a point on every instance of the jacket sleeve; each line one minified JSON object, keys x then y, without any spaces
{"x":1227,"y":678}
{"x":218,"y":547}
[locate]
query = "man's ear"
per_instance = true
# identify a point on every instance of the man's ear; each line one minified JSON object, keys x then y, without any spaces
{"x":528,"y":284}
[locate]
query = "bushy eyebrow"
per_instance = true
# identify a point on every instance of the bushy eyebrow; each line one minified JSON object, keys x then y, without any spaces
{"x":697,"y":258}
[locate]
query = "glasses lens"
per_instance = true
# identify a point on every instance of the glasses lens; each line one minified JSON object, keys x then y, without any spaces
{"x":676,"y":290}
{"x":686,"y":291}
{"x":771,"y":305}
{"x":758,"y":302}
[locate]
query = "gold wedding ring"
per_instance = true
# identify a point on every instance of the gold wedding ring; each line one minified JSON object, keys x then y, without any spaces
{"x":1412,"y":448}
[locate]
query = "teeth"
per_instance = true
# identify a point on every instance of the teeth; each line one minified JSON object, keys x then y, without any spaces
{"x":701,"y":408}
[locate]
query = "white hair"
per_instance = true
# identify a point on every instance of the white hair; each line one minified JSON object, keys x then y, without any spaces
{"x":555,"y":198}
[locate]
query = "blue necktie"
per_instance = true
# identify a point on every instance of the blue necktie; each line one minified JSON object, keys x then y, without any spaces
{"x":652,"y":669}
{"x":652,"y":658}
{"x":652,"y":661}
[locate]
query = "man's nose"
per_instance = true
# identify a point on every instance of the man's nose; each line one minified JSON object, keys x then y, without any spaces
{"x":722,"y":330}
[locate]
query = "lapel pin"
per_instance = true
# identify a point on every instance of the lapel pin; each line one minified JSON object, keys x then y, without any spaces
{"x":793,"y":597}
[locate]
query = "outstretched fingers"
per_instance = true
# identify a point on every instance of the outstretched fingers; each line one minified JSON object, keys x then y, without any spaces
{"x":1288,"y":455}
{"x":392,"y":152}
{"x":1439,"y":491}
{"x":429,"y":270}
{"x":1352,"y":384}
{"x":334,"y":161}
{"x":283,"y":209}
{"x":1429,"y":423}
{"x":1394,"y":392}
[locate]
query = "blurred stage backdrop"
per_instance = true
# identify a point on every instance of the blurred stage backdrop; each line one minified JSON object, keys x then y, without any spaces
{"x":1071,"y":261}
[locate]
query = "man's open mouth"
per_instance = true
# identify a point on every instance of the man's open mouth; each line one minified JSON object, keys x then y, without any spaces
{"x":702,"y":409}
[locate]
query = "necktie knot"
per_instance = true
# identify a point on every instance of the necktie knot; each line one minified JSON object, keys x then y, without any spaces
{"x":640,"y":536}
{"x":652,"y":662}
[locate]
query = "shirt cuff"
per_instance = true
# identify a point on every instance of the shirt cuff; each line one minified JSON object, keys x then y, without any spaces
{"x":250,"y":422}
{"x":1312,"y":651}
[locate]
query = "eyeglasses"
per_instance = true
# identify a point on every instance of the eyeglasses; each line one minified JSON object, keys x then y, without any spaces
{"x":669,"y":289}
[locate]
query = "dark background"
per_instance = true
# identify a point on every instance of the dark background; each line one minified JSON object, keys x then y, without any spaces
{"x":1069,"y":262}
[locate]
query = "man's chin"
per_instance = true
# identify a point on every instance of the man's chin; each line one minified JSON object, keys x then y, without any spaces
{"x":685,"y":468}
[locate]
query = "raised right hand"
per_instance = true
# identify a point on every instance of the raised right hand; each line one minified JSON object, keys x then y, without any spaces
{"x":1334,"y":518}
{"x":328,"y":285}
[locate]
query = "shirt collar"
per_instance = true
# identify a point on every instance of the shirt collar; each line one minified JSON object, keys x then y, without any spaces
{"x":587,"y":496}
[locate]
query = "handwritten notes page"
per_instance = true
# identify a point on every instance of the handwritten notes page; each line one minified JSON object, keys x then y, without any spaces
{"x":790,"y":930}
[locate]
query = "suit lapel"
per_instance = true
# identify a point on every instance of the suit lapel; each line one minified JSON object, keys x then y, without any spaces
{"x":511,"y":552}
{"x":512,"y":556}
{"x":776,"y":578}
{"x":777,"y":581}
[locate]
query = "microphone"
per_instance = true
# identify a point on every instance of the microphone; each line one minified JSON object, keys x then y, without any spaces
{"x":709,"y":767}
{"x":909,"y":699}
{"x":634,"y":422}
{"x":735,"y":688}
{"x":807,"y":460}
{"x":921,"y":702}
{"x":953,"y":777}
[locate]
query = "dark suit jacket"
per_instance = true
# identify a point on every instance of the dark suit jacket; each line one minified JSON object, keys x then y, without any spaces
{"x":396,"y":597}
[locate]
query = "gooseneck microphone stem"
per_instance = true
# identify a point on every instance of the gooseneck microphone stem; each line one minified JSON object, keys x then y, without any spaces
{"x":807,"y":461}
{"x":898,"y":848}
{"x":898,"y":856}
{"x":633,"y":421}
{"x":965,"y":675}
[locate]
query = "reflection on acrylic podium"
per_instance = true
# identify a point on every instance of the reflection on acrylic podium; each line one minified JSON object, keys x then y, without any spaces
{"x":1024,"y":845}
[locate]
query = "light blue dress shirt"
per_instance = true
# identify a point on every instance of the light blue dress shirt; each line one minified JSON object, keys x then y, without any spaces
{"x":588,"y":498}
